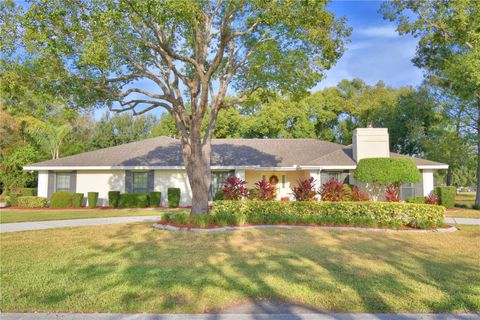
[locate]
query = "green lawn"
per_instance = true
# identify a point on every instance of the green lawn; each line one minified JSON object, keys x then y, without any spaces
{"x":7,"y":216}
{"x":463,"y":213}
{"x":135,"y":268}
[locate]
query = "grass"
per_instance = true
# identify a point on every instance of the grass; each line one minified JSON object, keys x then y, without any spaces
{"x":462,"y":213}
{"x":17,"y":215}
{"x":134,"y":268}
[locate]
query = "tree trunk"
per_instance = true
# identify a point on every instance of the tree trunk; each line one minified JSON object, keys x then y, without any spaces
{"x":197,"y":163}
{"x":477,"y":197}
{"x":449,"y":176}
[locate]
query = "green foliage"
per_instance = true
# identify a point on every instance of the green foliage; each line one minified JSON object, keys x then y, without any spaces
{"x":155,"y":198}
{"x":31,"y":202}
{"x":5,"y":199}
{"x":12,"y":176}
{"x":416,"y":199}
{"x":61,"y":199}
{"x":92,"y":199}
{"x":387,"y":171}
{"x":173,"y":197}
{"x":13,"y":196}
{"x":113,"y":198}
{"x":329,"y":213}
{"x":77,"y":200}
{"x":28,"y":191}
{"x":133,"y":200}
{"x":446,"y":195}
{"x":218,"y":195}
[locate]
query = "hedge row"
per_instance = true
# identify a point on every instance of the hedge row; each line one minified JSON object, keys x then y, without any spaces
{"x":66,"y":200}
{"x":31,"y":202}
{"x":134,"y":200}
{"x":446,"y":195}
{"x":382,"y":214}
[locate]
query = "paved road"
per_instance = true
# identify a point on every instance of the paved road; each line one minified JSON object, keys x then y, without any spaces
{"x":40,"y":225}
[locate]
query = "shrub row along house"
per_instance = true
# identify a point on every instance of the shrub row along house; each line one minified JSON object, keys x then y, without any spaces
{"x":156,"y":164}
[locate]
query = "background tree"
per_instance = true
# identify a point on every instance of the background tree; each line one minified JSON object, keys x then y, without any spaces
{"x":448,"y":50}
{"x":192,"y":52}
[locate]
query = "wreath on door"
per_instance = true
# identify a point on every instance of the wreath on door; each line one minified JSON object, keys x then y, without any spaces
{"x":273,"y":179}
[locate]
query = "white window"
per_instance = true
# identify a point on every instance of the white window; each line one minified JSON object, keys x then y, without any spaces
{"x":140,"y":182}
{"x":62,"y":181}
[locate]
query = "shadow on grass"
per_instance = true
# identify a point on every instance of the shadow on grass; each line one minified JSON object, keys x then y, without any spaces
{"x":167,"y":271}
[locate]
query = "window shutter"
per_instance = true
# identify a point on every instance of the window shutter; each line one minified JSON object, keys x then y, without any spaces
{"x":150,"y":180}
{"x":51,"y":183}
{"x":128,"y":181}
{"x":73,"y":181}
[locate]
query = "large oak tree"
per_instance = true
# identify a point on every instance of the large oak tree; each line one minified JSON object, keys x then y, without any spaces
{"x":180,"y":55}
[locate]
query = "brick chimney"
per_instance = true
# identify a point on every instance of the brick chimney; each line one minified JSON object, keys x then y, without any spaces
{"x":370,"y":143}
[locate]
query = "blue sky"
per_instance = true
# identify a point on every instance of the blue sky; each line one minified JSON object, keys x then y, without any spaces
{"x":376,"y":51}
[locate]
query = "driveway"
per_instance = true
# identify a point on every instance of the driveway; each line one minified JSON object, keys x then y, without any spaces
{"x":41,"y":225}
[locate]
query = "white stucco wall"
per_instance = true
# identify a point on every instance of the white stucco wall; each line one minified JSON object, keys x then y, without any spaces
{"x":283,"y":190}
{"x":165,"y":179}
{"x":101,"y":182}
{"x":42,"y":184}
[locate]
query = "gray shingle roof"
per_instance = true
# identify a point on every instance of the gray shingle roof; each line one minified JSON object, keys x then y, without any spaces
{"x":164,"y":151}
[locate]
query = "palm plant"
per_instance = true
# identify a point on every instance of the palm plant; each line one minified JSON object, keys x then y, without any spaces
{"x":48,"y":136}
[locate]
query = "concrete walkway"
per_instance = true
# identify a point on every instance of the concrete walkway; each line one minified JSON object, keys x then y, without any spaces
{"x":41,"y":225}
{"x":471,"y":221}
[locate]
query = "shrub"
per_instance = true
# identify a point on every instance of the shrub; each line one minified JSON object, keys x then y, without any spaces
{"x":29,"y":191}
{"x":431,"y":198}
{"x":155,"y":198}
{"x":13,"y":199}
{"x":416,"y":199}
{"x":357,"y":195}
{"x":77,"y":200}
{"x":61,"y":199}
{"x":92,"y":199}
{"x":373,"y":214}
{"x":32,"y":202}
{"x":234,"y":189}
{"x":305,"y":190}
{"x":252,"y":194}
{"x":133,"y":200}
{"x":332,"y":190}
{"x":113,"y":199}
{"x":202,"y":220}
{"x":387,"y":171}
{"x":5,"y":199}
{"x":218,"y":195}
{"x":173,"y":197}
{"x":475,"y":207}
{"x":392,"y":195}
{"x":446,"y":195}
{"x":284,"y":199}
{"x":266,"y":190}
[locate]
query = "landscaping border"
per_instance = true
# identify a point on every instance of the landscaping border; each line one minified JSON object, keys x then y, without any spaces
{"x":169,"y":227}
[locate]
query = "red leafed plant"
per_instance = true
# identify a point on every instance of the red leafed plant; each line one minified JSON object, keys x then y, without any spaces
{"x":431,"y":198}
{"x":266,"y":190}
{"x":358,"y":195}
{"x":284,"y":199}
{"x":305,"y":190}
{"x":392,"y":195}
{"x":333,"y":190}
{"x":234,"y":189}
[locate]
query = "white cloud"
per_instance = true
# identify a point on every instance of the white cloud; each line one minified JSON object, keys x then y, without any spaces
{"x":378,"y":32}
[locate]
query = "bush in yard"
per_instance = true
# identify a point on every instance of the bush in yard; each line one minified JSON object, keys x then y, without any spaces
{"x":32,"y":202}
{"x":252,"y":194}
{"x":357,"y":195}
{"x":133,"y":200}
{"x":218,"y":195}
{"x":416,"y":199}
{"x":305,"y":191}
{"x":234,"y":189}
{"x":266,"y":190}
{"x":5,"y":199}
{"x":155,"y":198}
{"x":173,"y":197}
{"x":431,"y":199}
{"x":284,"y":199}
{"x":113,"y":199}
{"x":28,"y":191}
{"x":392,"y":194}
{"x":77,"y":200}
{"x":14,"y":198}
{"x":61,"y":199}
{"x":332,"y":190}
{"x":446,"y":195}
{"x":373,"y":214}
{"x":92,"y":199}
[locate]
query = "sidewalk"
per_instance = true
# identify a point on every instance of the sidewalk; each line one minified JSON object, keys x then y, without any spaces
{"x":471,"y":221}
{"x":41,"y":225}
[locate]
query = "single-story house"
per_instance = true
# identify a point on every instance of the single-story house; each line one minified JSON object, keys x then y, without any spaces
{"x":156,"y":164}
